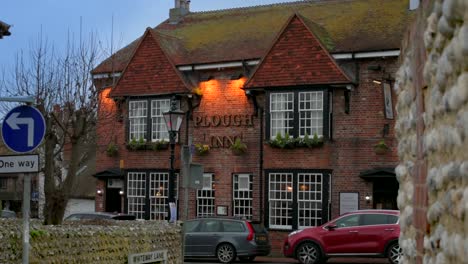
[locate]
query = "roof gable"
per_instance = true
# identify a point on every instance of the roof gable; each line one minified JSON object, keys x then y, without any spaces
{"x":149,"y":71}
{"x":296,"y":58}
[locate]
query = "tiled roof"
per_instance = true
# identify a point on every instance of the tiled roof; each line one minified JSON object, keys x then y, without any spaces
{"x":149,"y":72}
{"x":297,"y":58}
{"x":247,"y":33}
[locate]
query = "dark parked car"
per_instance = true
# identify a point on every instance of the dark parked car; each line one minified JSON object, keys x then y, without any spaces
{"x":364,"y":233}
{"x":225,"y":239}
{"x":7,"y":214}
{"x":99,"y":215}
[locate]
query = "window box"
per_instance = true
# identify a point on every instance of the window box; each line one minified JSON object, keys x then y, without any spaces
{"x":287,"y":142}
{"x":202,"y":149}
{"x":158,"y":145}
{"x":136,"y":144}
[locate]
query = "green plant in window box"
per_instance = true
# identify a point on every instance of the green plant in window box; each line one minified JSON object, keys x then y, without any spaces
{"x":238,"y":147}
{"x":381,"y":147}
{"x":282,"y":142}
{"x":112,"y":149}
{"x":159,"y":145}
{"x":289,"y":142}
{"x":202,"y":149}
{"x":136,"y":144}
{"x":307,"y":142}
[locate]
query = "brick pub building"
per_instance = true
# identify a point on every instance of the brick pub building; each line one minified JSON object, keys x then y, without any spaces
{"x":304,"y":85}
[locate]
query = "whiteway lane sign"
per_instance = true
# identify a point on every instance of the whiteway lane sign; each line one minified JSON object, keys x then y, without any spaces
{"x":19,"y":164}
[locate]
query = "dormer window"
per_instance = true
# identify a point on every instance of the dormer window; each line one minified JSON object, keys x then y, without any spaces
{"x":297,"y":113}
{"x":140,"y":116}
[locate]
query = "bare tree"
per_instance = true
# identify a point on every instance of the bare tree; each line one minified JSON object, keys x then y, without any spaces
{"x":62,"y":86}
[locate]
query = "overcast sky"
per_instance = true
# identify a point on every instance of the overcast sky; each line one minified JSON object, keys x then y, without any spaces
{"x":55,"y":18}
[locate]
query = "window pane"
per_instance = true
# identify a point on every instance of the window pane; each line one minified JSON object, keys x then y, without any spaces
{"x":311,"y":113}
{"x":136,"y":193}
{"x":242,"y":197}
{"x":309,"y":186}
{"x":206,"y":199}
{"x":280,"y":200}
{"x":137,"y":114}
{"x":281,"y":113}
{"x":158,"y":127}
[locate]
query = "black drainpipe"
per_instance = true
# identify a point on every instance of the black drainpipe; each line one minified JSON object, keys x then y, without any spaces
{"x":261,"y":165}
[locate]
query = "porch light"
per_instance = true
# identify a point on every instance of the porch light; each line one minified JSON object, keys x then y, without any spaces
{"x":368,"y":198}
{"x":121,"y":192}
{"x":99,"y":191}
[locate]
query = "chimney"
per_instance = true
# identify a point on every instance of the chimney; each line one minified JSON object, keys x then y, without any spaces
{"x":182,"y":8}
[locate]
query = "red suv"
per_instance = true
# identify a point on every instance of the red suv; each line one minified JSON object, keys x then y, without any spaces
{"x":363,"y":233}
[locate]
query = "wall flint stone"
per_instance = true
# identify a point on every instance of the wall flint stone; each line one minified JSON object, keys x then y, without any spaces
{"x":445,"y":135}
{"x":90,"y":242}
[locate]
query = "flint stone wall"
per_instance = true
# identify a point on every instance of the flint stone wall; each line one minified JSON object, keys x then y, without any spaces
{"x":90,"y":242}
{"x":433,"y":168}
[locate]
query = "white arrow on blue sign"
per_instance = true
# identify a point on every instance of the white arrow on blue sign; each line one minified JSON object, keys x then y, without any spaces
{"x":23,"y":129}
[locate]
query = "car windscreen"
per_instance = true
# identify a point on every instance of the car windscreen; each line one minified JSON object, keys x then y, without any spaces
{"x":259,"y":228}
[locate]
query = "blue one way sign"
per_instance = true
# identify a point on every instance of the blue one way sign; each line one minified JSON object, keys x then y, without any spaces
{"x":23,"y":129}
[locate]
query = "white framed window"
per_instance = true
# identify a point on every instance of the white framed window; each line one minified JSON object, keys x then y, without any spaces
{"x":280,"y":200}
{"x":136,"y":194}
{"x":309,"y":199}
{"x":159,"y":193}
{"x":158,"y":126}
{"x":206,"y":197}
{"x":242,"y":195}
{"x":281,"y":113}
{"x":311,"y":113}
{"x":137,"y":114}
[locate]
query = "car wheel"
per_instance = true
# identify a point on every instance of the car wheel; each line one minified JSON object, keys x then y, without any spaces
{"x":309,"y":253}
{"x":245,"y":259}
{"x":394,"y":253}
{"x":226,"y":253}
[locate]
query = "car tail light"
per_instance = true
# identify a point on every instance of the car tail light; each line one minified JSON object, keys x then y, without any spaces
{"x":251,"y":232}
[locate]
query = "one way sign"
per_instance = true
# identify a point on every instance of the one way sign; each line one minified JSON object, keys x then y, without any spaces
{"x":23,"y":129}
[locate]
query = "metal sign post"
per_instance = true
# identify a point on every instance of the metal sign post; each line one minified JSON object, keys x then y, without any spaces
{"x":26,"y":210}
{"x":23,"y":131}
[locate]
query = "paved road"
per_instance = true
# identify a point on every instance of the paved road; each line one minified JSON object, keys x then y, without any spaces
{"x":268,"y":260}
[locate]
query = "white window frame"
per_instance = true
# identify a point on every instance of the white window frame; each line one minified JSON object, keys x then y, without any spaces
{"x":309,"y":199}
{"x":281,"y":113}
{"x":136,"y":194}
{"x":158,"y":126}
{"x":206,"y":198}
{"x":242,"y":197}
{"x":158,"y":194}
{"x":280,"y":200}
{"x":137,"y":115}
{"x":311,"y":113}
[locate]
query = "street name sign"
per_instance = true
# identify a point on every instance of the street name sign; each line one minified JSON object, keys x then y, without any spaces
{"x":19,"y":164}
{"x":159,"y":257}
{"x":23,"y":129}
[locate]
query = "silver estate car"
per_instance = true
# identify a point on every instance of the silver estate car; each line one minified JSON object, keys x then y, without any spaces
{"x":225,"y":239}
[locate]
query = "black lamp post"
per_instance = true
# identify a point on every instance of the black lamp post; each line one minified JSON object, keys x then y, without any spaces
{"x":173,"y":119}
